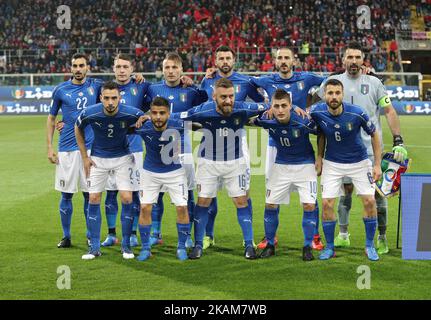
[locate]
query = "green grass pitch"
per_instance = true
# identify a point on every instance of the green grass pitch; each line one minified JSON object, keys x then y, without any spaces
{"x":30,"y":230}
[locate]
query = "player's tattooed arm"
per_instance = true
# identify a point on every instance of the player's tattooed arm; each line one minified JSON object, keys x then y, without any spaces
{"x":50,"y":128}
{"x":321,"y":144}
{"x":377,"y":151}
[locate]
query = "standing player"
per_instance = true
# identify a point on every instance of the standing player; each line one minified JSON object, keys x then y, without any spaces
{"x":298,"y":85}
{"x":180,"y":99}
{"x":110,"y":121}
{"x":345,"y":156}
{"x":369,"y":93}
{"x":293,"y":169}
{"x":162,"y":169}
{"x":221,"y":159}
{"x":71,"y":97}
{"x":132,"y":94}
{"x":224,"y":62}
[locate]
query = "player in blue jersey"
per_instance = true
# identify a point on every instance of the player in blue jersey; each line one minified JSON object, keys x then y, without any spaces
{"x":132,"y":94}
{"x":71,"y":97}
{"x":221,"y":158}
{"x":340,"y":126}
{"x":294,"y":169}
{"x":110,"y":121}
{"x":180,"y":99}
{"x":298,"y":85}
{"x":224,"y":62}
{"x":163,"y":169}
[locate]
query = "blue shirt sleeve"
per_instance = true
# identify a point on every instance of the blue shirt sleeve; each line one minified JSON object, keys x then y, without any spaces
{"x":253,"y":93}
{"x":55,"y":102}
{"x":367,"y":124}
{"x":82,"y":120}
{"x":200,"y":96}
{"x":254,"y":109}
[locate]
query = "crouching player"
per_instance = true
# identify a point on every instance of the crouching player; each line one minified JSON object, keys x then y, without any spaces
{"x":162,"y":168}
{"x":294,"y":168}
{"x":340,"y":123}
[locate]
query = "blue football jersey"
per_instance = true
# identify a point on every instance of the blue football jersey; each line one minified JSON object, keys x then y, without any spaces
{"x":242,"y":84}
{"x":162,"y":146}
{"x":343,"y":132}
{"x":110,"y":132}
{"x":291,"y":139}
{"x":180,"y":100}
{"x":72,"y":99}
{"x":133,"y":94}
{"x":297,"y":86}
{"x":221,"y":140}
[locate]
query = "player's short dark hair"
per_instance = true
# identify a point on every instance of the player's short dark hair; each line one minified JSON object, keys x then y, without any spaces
{"x":123,"y":56}
{"x":175,"y":57}
{"x":223,"y":83}
{"x":333,"y":82}
{"x":110,"y":85}
{"x":354,"y":45}
{"x":281,"y":94}
{"x":285,"y":48}
{"x":225,"y":49}
{"x":79,"y":55}
{"x":160,"y":102}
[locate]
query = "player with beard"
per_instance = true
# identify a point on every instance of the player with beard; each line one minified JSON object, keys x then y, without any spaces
{"x":369,"y":93}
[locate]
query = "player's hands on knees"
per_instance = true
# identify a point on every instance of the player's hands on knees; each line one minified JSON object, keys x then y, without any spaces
{"x":142,"y":120}
{"x":52,"y":156}
{"x":318,"y":165}
{"x":377,"y":172}
{"x":59,"y":125}
{"x":209,"y":73}
{"x":139,"y":77}
{"x":88,"y":163}
{"x":186,"y":81}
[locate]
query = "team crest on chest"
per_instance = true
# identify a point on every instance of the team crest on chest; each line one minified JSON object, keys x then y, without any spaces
{"x":295,"y":133}
{"x":301,"y":85}
{"x":90,"y":91}
{"x":123,"y":124}
{"x":349,"y":126}
{"x":133,"y":91}
{"x":237,"y":88}
{"x":236,"y":121}
{"x":183,"y":97}
{"x":365,"y":88}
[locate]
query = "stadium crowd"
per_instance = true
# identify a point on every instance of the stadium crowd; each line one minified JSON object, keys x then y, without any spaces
{"x":318,"y":30}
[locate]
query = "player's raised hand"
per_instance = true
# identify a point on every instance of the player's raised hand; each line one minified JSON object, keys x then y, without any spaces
{"x":186,"y":81}
{"x":209,"y":73}
{"x":142,"y":120}
{"x":59,"y":125}
{"x":88,"y":163}
{"x":377,"y":172}
{"x":139,"y":77}
{"x":318,"y":165}
{"x":52,"y":156}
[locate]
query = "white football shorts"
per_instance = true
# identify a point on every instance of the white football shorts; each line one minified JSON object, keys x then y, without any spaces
{"x":69,"y":172}
{"x":111,"y":184}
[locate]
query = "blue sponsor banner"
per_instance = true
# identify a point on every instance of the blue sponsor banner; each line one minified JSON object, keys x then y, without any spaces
{"x":412,"y":107}
{"x":25,"y":100}
{"x":416,"y":211}
{"x":398,"y":93}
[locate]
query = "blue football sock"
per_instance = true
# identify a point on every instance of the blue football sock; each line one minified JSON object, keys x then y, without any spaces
{"x":126,"y":223}
{"x":136,"y":210}
{"x":308,"y":226}
{"x":86,"y":203}
{"x":94,"y":224}
{"x":329,"y":231}
{"x":212,"y":213}
{"x":200,"y":221}
{"x":111,"y":208}
{"x":66,"y":210}
{"x":183,"y":232}
{"x":316,"y":217}
{"x":145,"y":231}
{"x":191,"y":209}
{"x":156,"y":216}
{"x":270,"y":221}
{"x":245,"y":221}
{"x":370,"y":230}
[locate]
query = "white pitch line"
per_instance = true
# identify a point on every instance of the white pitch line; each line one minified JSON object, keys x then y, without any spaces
{"x":413,"y":146}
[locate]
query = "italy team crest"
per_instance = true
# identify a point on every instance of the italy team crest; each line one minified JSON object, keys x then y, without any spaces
{"x":90,"y":91}
{"x":349,"y":126}
{"x":133,"y":91}
{"x":237,"y":88}
{"x":365,"y":88}
{"x":301,"y":85}
{"x":295,"y":133}
{"x":122,"y":124}
{"x":183,"y":97}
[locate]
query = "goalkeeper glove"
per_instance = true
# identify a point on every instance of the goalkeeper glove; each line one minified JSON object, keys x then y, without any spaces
{"x":400,"y":153}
